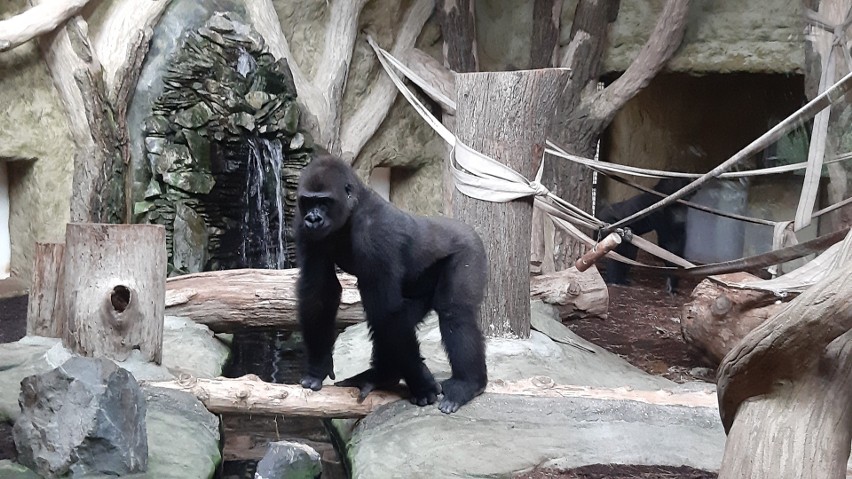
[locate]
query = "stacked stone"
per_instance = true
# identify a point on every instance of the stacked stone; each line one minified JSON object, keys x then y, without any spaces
{"x":222,"y":87}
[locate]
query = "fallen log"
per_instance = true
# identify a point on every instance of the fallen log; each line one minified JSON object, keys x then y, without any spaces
{"x":240,"y":299}
{"x":718,"y":316}
{"x":250,"y":395}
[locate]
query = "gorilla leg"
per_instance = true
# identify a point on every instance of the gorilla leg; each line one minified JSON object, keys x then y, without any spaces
{"x":396,"y":354}
{"x":616,"y":272}
{"x":457,"y":301}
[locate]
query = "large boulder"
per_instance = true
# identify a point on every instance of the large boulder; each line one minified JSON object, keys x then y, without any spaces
{"x":86,"y":416}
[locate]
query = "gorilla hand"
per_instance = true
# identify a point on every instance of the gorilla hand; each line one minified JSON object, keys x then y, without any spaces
{"x":317,"y":373}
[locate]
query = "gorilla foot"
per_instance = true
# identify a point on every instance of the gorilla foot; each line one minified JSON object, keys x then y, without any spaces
{"x":426,"y":392}
{"x":457,"y":393}
{"x":367,"y":382}
{"x":311,"y":382}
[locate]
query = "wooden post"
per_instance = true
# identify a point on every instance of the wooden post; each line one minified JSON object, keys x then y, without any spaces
{"x":114,"y":290}
{"x":506,"y":116}
{"x":42,"y":312}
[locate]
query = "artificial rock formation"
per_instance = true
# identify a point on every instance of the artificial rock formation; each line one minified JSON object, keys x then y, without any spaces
{"x":224,"y":134}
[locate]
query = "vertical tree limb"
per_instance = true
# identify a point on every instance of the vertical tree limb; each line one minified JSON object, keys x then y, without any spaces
{"x":458,"y":28}
{"x":98,"y":189}
{"x":360,"y":126}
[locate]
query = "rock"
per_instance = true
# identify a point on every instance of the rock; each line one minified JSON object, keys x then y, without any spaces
{"x":174,"y":156}
{"x":199,"y":148}
{"x":397,"y":440}
{"x":11,"y":470}
{"x":290,"y":122}
{"x":200,"y":183}
{"x":289,"y":460}
{"x":194,"y":117}
{"x":155,"y":144}
{"x":241,"y":119}
{"x":189,"y":240}
{"x":87,"y":416}
{"x":257,"y":99}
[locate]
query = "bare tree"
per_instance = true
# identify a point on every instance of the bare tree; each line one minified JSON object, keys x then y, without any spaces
{"x":584,"y":111}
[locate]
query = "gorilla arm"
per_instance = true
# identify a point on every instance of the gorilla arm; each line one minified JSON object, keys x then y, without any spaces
{"x":319,"y":297}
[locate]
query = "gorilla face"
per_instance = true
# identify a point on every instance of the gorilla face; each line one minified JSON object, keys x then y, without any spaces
{"x":325,"y":199}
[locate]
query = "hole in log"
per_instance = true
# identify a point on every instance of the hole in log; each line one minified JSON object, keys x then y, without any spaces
{"x":120,"y":298}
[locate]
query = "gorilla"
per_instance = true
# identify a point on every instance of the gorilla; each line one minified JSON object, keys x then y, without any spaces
{"x":668,"y":222}
{"x":406,"y":266}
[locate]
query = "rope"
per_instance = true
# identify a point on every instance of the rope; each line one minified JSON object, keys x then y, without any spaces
{"x":481,"y":177}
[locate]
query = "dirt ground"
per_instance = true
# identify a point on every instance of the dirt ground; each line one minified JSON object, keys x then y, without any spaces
{"x":643,"y":327}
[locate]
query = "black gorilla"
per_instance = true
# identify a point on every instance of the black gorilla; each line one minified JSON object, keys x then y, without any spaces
{"x":668,"y":222}
{"x":406,"y":266}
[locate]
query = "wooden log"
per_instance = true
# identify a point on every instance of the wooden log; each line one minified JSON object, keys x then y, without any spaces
{"x":241,"y":299}
{"x":114,"y":290}
{"x":42,"y":311}
{"x":576,"y":295}
{"x":784,"y":389}
{"x":717,"y":317}
{"x":250,"y":395}
{"x":506,"y":115}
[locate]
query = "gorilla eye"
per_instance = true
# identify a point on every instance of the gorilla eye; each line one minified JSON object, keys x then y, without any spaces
{"x":348,"y":189}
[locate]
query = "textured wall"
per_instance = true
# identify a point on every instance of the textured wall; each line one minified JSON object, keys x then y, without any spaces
{"x":34,"y":132}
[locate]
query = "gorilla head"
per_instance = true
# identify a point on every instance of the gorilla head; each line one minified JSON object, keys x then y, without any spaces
{"x":327,"y":197}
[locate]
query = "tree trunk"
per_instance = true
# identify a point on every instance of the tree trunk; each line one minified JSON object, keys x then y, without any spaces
{"x":505,"y":116}
{"x":114,"y":290}
{"x":242,"y":299}
{"x":98,"y":187}
{"x":717,"y":317}
{"x":544,"y":53}
{"x":784,"y":389}
{"x":458,"y":29}
{"x":42,"y":312}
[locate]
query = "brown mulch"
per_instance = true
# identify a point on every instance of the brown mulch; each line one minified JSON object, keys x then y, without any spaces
{"x":617,"y":471}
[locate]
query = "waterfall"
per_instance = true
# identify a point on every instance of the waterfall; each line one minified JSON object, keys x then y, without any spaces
{"x":264,"y":241}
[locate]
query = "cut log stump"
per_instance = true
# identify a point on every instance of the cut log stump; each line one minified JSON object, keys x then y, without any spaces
{"x":46,"y":279}
{"x":717,"y":316}
{"x":113,"y":292}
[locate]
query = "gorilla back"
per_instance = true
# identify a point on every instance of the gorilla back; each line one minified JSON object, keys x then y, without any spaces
{"x":406,"y":265}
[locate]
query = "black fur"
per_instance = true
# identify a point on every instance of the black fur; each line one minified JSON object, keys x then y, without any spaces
{"x":668,"y":222}
{"x":406,"y":266}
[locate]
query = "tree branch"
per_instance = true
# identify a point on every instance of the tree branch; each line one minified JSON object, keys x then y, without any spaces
{"x":333,"y":69}
{"x":790,"y":342}
{"x":544,"y":49}
{"x":434,"y":73}
{"x":365,"y":121}
{"x":661,"y":45}
{"x":98,"y":193}
{"x":122,"y":43}
{"x":36,"y":21}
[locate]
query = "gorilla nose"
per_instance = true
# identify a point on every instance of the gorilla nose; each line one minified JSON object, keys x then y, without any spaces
{"x":313,"y":221}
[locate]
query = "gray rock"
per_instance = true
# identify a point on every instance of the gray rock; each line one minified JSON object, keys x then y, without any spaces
{"x":200,"y":183}
{"x":194,"y":117}
{"x":87,"y":416}
{"x":400,"y":439}
{"x":12,"y":470}
{"x":189,"y":240}
{"x":289,"y":460}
